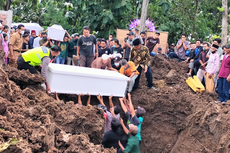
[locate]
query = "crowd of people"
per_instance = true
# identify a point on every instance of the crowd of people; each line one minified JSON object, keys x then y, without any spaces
{"x":209,"y":61}
{"x":26,"y":49}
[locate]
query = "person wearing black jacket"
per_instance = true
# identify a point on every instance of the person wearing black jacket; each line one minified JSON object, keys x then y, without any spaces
{"x":194,"y":63}
{"x":203,"y":61}
{"x":112,"y":137}
{"x":191,"y":53}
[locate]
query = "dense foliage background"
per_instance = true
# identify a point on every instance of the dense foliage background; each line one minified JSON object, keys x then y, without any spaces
{"x":197,"y":18}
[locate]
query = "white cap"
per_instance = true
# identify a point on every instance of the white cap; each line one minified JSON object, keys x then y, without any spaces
{"x":105,"y":56}
{"x":117,"y":55}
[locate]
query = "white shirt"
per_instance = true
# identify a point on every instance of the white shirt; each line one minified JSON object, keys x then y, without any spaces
{"x":36,"y":42}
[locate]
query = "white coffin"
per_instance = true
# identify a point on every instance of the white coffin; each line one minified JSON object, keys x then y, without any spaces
{"x":56,"y":32}
{"x":76,"y":80}
{"x":30,"y":26}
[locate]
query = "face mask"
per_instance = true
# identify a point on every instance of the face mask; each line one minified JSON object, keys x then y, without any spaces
{"x":214,"y":52}
{"x":204,"y":49}
{"x":110,"y":38}
{"x":75,"y":40}
{"x":22,"y":32}
{"x":116,"y":64}
{"x":44,"y":38}
{"x":0,"y":31}
{"x":114,"y":46}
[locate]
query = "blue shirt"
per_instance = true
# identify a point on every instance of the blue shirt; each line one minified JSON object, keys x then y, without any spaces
{"x":31,"y":41}
{"x":139,"y":127}
{"x":196,"y":52}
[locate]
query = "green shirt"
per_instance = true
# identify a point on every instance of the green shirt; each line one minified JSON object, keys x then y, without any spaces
{"x":64,"y":49}
{"x":132,"y":145}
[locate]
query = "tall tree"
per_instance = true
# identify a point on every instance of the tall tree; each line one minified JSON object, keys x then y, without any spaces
{"x":224,"y":22}
{"x":144,"y":12}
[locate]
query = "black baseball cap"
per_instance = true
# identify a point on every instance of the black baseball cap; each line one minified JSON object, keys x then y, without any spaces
{"x":117,"y":59}
{"x":130,"y":33}
{"x":157,"y":33}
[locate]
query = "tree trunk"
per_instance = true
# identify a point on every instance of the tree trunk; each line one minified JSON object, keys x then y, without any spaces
{"x":7,"y":6}
{"x":224,"y":22}
{"x":194,"y":18}
{"x":144,"y":11}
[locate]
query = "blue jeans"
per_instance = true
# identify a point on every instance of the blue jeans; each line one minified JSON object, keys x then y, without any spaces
{"x":148,"y":75}
{"x":60,"y":60}
{"x":173,"y":55}
{"x":153,"y":54}
{"x":223,"y":89}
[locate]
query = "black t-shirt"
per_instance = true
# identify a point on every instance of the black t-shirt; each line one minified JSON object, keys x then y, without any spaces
{"x":24,"y":46}
{"x":117,"y":50}
{"x":87,"y":45}
{"x":111,"y":139}
{"x":151,"y":43}
{"x":104,"y":51}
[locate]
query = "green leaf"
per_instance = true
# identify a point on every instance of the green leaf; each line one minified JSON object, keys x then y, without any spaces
{"x":105,"y":20}
{"x":123,"y":2}
{"x":117,"y":5}
{"x":221,"y":9}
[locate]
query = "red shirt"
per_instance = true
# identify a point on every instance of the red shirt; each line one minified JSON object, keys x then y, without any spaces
{"x":1,"y":41}
{"x":225,"y":67}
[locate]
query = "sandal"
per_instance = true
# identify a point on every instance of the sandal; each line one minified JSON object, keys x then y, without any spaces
{"x":223,"y":103}
{"x":218,"y":102}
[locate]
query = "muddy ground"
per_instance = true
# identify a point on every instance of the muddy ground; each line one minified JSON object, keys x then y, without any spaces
{"x":177,"y":119}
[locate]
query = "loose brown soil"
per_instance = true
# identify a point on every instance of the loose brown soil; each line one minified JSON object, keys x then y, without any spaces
{"x":177,"y":119}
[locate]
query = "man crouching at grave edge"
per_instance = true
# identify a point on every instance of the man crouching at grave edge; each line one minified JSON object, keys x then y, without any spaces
{"x":40,"y":56}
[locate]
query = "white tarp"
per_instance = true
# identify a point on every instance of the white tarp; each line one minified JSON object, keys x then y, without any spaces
{"x":56,"y":32}
{"x":76,"y":80}
{"x":30,"y":26}
{"x":6,"y":17}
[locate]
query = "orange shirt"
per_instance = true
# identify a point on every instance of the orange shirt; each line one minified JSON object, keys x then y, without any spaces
{"x":128,"y":72}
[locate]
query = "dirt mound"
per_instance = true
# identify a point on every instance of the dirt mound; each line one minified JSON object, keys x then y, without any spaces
{"x":177,"y":119}
{"x":39,"y":123}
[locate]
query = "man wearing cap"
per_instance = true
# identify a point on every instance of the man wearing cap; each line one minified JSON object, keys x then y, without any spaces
{"x":136,"y":35}
{"x":133,"y":140}
{"x":36,"y":57}
{"x":128,"y":69}
{"x":224,"y":77}
{"x":171,"y":49}
{"x":141,"y":58}
{"x":161,"y":52}
{"x":32,"y":37}
{"x":211,"y":68}
{"x":15,"y":46}
{"x":116,"y":65}
{"x":103,"y":63}
{"x":128,"y":45}
{"x":103,"y":49}
{"x":152,"y":42}
{"x":45,"y":41}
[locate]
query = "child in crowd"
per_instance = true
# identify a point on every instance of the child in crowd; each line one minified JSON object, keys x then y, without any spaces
{"x":25,"y":45}
{"x":5,"y":47}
